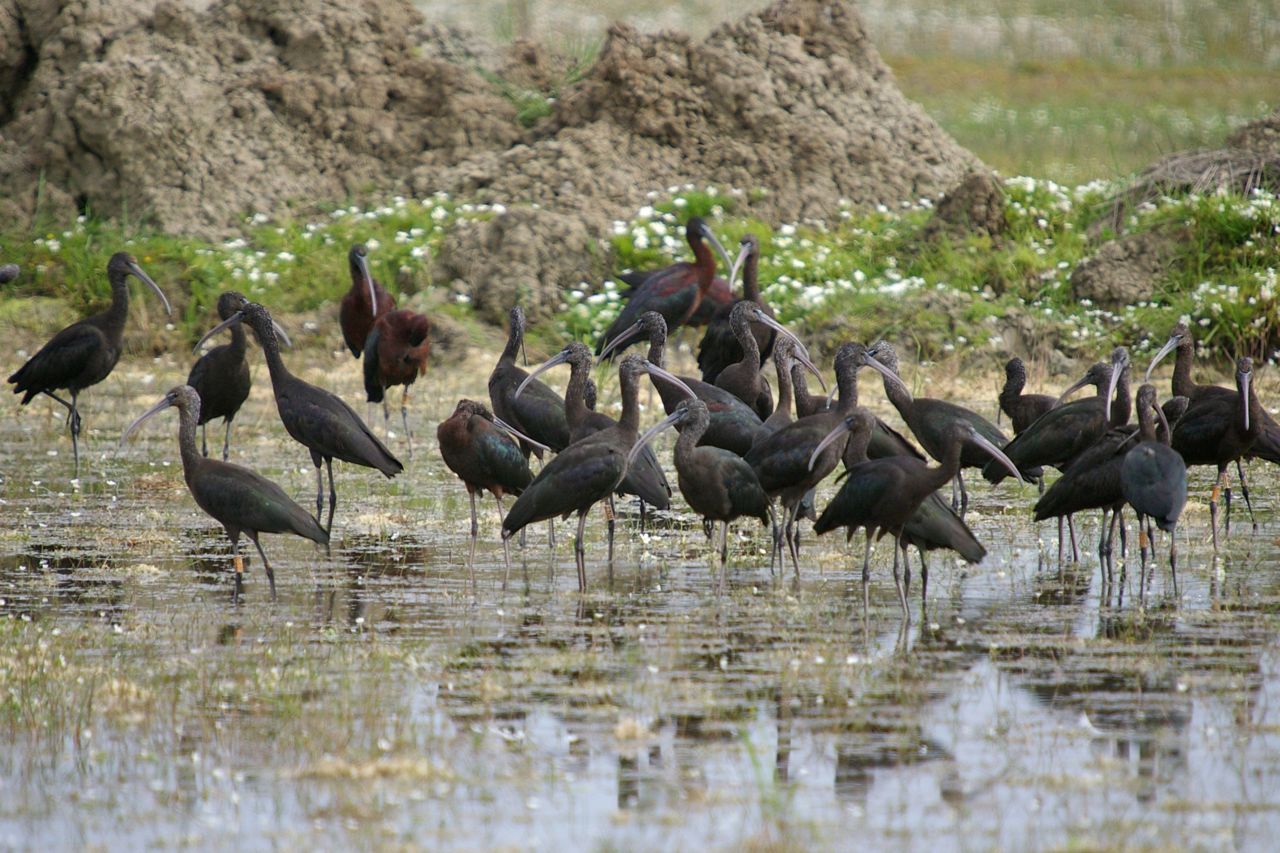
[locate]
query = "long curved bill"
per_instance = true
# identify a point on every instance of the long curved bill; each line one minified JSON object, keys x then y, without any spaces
{"x":1164,"y":423}
{"x":1080,"y":383}
{"x":845,"y":426}
{"x":997,"y":453}
{"x":236,"y":318}
{"x":501,"y":424}
{"x":648,"y":435}
{"x":743,"y":251}
{"x":715,"y":244}
{"x":1169,"y":346}
{"x":620,"y":341}
{"x":659,"y":372}
{"x":802,"y":352}
{"x":870,"y":361}
{"x":559,"y":358}
{"x":363,"y":263}
{"x":1116,"y":370}
{"x":154,"y":410}
{"x":1245,"y":379}
{"x":146,"y":279}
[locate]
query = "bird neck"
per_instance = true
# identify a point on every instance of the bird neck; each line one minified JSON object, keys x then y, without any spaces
{"x":191,"y":458}
{"x":690,"y":435}
{"x":1122,"y":405}
{"x":750,"y":284}
{"x":238,"y":341}
{"x":897,"y":393}
{"x":705,"y":262}
{"x":750,"y":348}
{"x":785,"y":395}
{"x":658,"y":349}
{"x":629,"y":420}
{"x":1013,"y":385}
{"x":514,"y":339}
{"x":1147,"y":423}
{"x":575,"y":394}
{"x":271,"y":352}
{"x":855,"y":449}
{"x":1183,"y":384}
{"x":799,"y":387}
{"x":847,"y":382}
{"x":119,"y":310}
{"x":947,"y":470}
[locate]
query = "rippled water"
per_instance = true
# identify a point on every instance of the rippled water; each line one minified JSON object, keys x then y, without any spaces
{"x":383,"y":702}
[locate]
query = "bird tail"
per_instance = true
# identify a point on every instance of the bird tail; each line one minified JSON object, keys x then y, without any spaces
{"x":372,"y":381}
{"x":522,"y":513}
{"x":1267,"y":444}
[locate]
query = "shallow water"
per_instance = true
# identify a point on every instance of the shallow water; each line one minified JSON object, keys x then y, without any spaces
{"x":383,"y":702}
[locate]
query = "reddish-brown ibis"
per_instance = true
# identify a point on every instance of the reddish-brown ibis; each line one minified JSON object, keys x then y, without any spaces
{"x":1267,"y":444}
{"x":1153,"y":479}
{"x":744,"y":378}
{"x":242,"y":501}
{"x":221,"y":376}
{"x":84,"y":353}
{"x":719,"y":296}
{"x":930,"y":420}
{"x":539,"y":411}
{"x":720,"y":347}
{"x":676,"y":291}
{"x":882,"y":495}
{"x":365,"y":302}
{"x":1023,"y":409}
{"x":781,"y":461}
{"x":485,"y":458}
{"x":644,"y":478}
{"x":734,"y":426}
{"x":586,"y":471}
{"x":395,"y":353}
{"x":717,"y":485}
{"x":1218,"y":429}
{"x":316,"y":418}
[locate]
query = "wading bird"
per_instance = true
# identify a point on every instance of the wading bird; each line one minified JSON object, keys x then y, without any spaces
{"x":1022,"y":409}
{"x":743,"y":378}
{"x":1153,"y":479}
{"x":717,"y":485}
{"x":242,"y":501}
{"x":676,"y":291}
{"x":587,"y":471}
{"x":365,"y":302}
{"x":539,"y":411}
{"x":221,"y":376}
{"x":84,"y":353}
{"x":317,"y":419}
{"x":720,"y":347}
{"x":395,"y":353}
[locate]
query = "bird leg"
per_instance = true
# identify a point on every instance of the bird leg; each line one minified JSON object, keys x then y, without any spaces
{"x":580,"y":552}
{"x":724,"y":549}
{"x":1244,"y":491}
{"x":319,"y":487}
{"x":1173,"y":558}
{"x":1071,"y":528}
{"x":506,"y":546}
{"x":238,"y":562}
{"x":791,"y":544}
{"x":1213,"y":509}
{"x":1124,"y":543}
{"x":204,"y":444}
{"x":644,"y":515}
{"x":386,"y":415}
{"x":75,"y":431}
{"x":333,"y":494}
{"x":897,"y":578}
{"x":924,"y":584}
{"x":708,"y":528}
{"x":475,"y":534}
{"x":404,"y":418}
{"x":226,"y":442}
{"x":964,"y":495}
{"x":266,"y":564}
{"x":1061,"y":521}
{"x":610,"y":516}
{"x":866,"y":577}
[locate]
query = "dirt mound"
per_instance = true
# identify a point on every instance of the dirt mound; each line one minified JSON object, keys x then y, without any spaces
{"x":1126,"y":270}
{"x":196,"y":117}
{"x":975,"y":206}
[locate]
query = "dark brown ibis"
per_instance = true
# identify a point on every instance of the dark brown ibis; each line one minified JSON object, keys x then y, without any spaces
{"x":720,"y":347}
{"x":1023,"y":409}
{"x":539,"y":411}
{"x":316,"y":418}
{"x":485,"y":458}
{"x":395,"y":353}
{"x":1218,"y":429}
{"x":1153,"y":479}
{"x":588,"y":471}
{"x":806,"y":403}
{"x":743,"y":378}
{"x":882,"y":495}
{"x":717,"y":485}
{"x":365,"y":302}
{"x":675,"y":292}
{"x":241,"y":500}
{"x":930,"y":420}
{"x":220,"y":377}
{"x":781,"y":461}
{"x":644,"y":478}
{"x":936,"y":526}
{"x":1267,"y":444}
{"x":783,"y":361}
{"x":84,"y":353}
{"x":734,"y":426}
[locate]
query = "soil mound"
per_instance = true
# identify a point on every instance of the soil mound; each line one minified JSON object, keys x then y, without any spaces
{"x":196,"y":117}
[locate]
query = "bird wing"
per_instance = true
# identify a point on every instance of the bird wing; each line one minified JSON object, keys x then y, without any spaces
{"x":372,"y":379}
{"x":865,"y":491}
{"x":746,"y":495}
{"x":323,"y":421}
{"x":59,"y":361}
{"x":575,"y":479}
{"x":240,"y":498}
{"x":936,"y":525}
{"x":500,"y":456}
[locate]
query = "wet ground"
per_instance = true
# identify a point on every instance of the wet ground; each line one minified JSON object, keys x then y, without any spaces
{"x":384,"y":703}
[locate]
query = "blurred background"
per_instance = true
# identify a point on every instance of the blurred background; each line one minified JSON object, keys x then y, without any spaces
{"x":1065,"y":89}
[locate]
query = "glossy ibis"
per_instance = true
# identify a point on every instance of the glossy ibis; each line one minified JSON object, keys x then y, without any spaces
{"x":806,"y":403}
{"x":882,"y":495}
{"x":1218,"y":429}
{"x":1022,"y":409}
{"x":717,"y":485}
{"x":221,"y":376}
{"x":242,"y":501}
{"x":365,"y":302}
{"x":644,"y":478}
{"x":719,"y":296}
{"x":734,"y":426}
{"x":586,"y":471}
{"x":84,"y":353}
{"x":395,"y":353}
{"x":783,"y":360}
{"x":782,"y":461}
{"x":744,"y":378}
{"x":1153,"y":478}
{"x":931,"y":421}
{"x":676,"y":291}
{"x":539,"y":411}
{"x":720,"y":347}
{"x":485,"y":458}
{"x":1267,"y":444}
{"x":935,"y":526}
{"x":317,"y":419}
